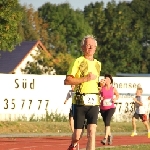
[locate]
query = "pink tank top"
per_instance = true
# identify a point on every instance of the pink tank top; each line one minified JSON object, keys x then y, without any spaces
{"x":107,"y":95}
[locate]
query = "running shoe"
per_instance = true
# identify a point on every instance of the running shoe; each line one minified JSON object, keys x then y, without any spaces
{"x":133,"y":134}
{"x":110,"y":138}
{"x":71,"y":147}
{"x":104,"y":141}
{"x":148,"y":135}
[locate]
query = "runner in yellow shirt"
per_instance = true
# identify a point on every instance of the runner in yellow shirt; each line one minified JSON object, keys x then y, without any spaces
{"x":84,"y":73}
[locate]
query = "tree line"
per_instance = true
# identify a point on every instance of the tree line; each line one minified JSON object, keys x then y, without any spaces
{"x":122,"y":31}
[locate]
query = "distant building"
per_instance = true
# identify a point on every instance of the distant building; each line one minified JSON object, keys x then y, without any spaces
{"x":13,"y":62}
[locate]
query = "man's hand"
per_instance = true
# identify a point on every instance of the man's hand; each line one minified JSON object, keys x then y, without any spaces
{"x":91,"y":76}
{"x":65,"y":101}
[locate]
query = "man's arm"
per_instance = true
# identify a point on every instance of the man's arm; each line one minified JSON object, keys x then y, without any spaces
{"x":67,"y":98}
{"x":71,"y":80}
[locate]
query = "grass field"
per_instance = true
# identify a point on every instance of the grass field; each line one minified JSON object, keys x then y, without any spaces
{"x":63,"y":127}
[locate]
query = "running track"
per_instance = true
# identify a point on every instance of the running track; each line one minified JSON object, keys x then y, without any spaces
{"x":61,"y":143}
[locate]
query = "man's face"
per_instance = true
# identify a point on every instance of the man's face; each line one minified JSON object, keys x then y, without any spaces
{"x":89,"y":47}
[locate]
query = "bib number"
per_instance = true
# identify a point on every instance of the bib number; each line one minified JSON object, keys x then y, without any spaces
{"x":91,"y":99}
{"x":107,"y":102}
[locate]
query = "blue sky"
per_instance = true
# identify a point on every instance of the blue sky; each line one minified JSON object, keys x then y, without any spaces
{"x":74,"y":3}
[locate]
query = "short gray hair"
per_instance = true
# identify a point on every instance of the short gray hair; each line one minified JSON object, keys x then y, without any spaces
{"x":86,"y":37}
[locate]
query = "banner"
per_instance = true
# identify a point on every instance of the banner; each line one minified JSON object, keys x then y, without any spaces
{"x":23,"y":96}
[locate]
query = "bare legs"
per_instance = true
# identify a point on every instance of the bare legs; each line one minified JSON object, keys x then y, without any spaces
{"x":107,"y":131}
{"x":91,"y":129}
{"x":134,"y":124}
{"x":71,"y":122}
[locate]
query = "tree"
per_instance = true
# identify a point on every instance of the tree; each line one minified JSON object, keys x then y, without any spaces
{"x":62,"y":62}
{"x":118,"y":32}
{"x":33,"y":27}
{"x":10,"y":17}
{"x":142,"y":11}
{"x":66,"y":27}
{"x":42,"y":64}
{"x":94,"y":14}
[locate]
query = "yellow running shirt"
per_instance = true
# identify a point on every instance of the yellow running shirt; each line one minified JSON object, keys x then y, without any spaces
{"x":80,"y":68}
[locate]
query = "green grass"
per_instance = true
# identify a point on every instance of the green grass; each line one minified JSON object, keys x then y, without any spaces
{"x":122,"y":127}
{"x":63,"y":127}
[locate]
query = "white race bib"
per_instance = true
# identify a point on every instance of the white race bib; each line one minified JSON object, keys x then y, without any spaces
{"x":91,"y":99}
{"x":107,"y":102}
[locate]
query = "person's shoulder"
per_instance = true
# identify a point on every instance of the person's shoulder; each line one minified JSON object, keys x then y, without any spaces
{"x":79,"y":59}
{"x":97,"y":61}
{"x":69,"y":92}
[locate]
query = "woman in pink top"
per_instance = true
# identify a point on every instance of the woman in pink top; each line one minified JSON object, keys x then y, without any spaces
{"x":107,"y":107}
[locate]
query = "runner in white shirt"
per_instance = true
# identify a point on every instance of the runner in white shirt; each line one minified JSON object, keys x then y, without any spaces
{"x":140,"y":111}
{"x":70,"y":95}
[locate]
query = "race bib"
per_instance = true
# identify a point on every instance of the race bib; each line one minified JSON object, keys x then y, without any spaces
{"x":107,"y":102}
{"x":91,"y":99}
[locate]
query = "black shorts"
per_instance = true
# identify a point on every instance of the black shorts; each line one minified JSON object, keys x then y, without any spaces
{"x":143,"y":117}
{"x":82,"y":112}
{"x":71,"y":112}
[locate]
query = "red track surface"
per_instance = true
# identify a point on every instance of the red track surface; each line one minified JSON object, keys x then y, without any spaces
{"x":62,"y":143}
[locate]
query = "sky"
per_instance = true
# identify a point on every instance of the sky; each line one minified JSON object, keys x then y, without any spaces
{"x":75,"y":4}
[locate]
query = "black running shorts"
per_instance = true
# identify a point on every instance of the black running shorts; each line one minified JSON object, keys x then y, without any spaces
{"x":81,"y":112}
{"x":143,"y":117}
